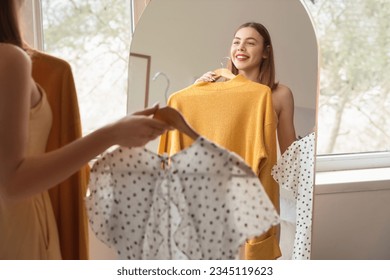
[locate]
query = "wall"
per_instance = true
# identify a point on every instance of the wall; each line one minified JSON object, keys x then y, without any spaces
{"x":351,"y":215}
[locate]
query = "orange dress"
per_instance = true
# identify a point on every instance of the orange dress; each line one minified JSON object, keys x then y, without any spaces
{"x":28,"y":227}
{"x":55,"y":76}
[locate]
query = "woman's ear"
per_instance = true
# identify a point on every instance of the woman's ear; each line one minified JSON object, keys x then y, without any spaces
{"x":266,"y":51}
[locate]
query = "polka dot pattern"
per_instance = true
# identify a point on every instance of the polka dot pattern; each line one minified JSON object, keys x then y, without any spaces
{"x":201,"y":203}
{"x":294,"y":171}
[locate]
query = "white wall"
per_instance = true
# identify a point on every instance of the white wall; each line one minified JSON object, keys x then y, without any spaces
{"x":351,"y":217}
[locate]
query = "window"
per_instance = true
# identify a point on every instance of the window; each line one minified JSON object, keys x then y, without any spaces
{"x":354,"y":102}
{"x":94,"y":37}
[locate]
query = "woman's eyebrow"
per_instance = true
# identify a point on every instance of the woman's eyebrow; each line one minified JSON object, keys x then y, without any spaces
{"x":249,"y":38}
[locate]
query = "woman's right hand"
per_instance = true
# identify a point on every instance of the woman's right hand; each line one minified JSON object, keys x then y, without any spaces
{"x":139,"y":128}
{"x":207,"y":77}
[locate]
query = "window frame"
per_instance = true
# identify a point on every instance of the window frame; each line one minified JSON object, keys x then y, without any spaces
{"x":356,"y":161}
{"x":345,"y":161}
{"x":33,"y":33}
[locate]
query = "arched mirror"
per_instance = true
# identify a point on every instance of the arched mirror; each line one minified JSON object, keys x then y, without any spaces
{"x":176,"y":41}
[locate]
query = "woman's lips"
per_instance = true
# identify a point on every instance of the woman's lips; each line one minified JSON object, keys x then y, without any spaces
{"x":241,"y":57}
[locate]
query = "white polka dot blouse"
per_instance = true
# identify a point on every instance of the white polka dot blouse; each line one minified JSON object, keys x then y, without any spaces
{"x":201,"y":203}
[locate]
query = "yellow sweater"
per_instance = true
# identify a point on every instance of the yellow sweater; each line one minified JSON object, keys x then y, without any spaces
{"x":238,"y":115}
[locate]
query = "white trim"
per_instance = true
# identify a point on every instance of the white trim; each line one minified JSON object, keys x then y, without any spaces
{"x":353,"y":180}
{"x":132,"y":19}
{"x":352,"y":161}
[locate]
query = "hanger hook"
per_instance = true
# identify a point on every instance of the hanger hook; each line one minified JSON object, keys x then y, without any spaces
{"x":168,"y":83}
{"x":226,"y":58}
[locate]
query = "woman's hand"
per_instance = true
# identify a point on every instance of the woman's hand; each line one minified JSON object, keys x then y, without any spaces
{"x":207,"y":77}
{"x":139,"y":128}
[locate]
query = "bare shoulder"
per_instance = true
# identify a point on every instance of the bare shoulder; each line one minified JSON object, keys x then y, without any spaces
{"x":13,"y":57}
{"x":15,"y":72}
{"x":282,"y":99}
{"x":282,"y":91}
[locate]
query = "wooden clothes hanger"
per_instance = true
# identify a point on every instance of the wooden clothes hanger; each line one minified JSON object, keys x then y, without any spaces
{"x":175,"y":119}
{"x":224,"y":73}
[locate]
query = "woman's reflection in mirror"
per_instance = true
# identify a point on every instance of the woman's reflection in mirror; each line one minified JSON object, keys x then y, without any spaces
{"x":251,"y":55}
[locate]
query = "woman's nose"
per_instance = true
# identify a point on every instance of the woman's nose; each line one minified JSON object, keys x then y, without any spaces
{"x":240,"y":47}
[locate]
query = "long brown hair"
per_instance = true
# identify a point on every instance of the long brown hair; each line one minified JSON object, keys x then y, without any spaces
{"x":9,"y":23}
{"x":267,"y":66}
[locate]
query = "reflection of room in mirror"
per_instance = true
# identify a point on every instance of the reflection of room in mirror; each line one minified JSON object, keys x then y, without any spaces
{"x":178,"y":48}
{"x":183,"y":53}
{"x":139,"y":79}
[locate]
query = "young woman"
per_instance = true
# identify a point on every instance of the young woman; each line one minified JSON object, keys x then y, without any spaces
{"x":251,"y":55}
{"x":27,"y":224}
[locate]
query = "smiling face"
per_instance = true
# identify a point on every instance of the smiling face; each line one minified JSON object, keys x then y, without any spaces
{"x":248,"y":51}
